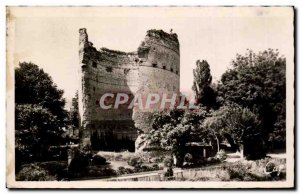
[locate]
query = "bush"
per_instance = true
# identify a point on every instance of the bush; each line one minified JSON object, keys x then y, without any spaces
{"x":94,"y":171}
{"x":58,"y":169}
{"x":168,"y":161}
{"x":155,"y":167}
{"x":33,"y":172}
{"x":80,"y":162}
{"x":98,"y":160}
{"x":169,"y":172}
{"x":188,"y":158}
{"x":237,"y":172}
{"x":57,"y":153}
{"x":134,"y":161}
{"x":122,"y":170}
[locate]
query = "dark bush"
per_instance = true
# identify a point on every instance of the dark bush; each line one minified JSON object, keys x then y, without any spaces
{"x":188,"y":157}
{"x":169,"y":172}
{"x":122,"y":170}
{"x":237,"y":172}
{"x":168,"y":161}
{"x":33,"y":172}
{"x":56,"y":168}
{"x":155,"y":167}
{"x":98,"y":160}
{"x":58,"y":153}
{"x":134,"y":161}
{"x":80,"y":162}
{"x":94,"y":171}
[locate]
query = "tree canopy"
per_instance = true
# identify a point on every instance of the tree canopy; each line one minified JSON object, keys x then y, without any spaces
{"x":204,"y":93}
{"x":39,"y":113}
{"x":34,"y":86}
{"x":173,"y":129}
{"x":257,"y":82}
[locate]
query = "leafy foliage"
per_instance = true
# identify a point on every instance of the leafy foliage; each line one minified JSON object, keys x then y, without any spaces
{"x":39,"y":113}
{"x":205,"y":94}
{"x":36,"y":129}
{"x":98,"y":160}
{"x":257,"y":82}
{"x":34,"y":86}
{"x":172,"y":130}
{"x":241,"y":125}
{"x":33,"y":172}
{"x":135,"y":161}
{"x":74,"y":112}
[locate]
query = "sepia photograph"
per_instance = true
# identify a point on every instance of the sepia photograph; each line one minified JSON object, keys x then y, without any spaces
{"x":150,"y":97}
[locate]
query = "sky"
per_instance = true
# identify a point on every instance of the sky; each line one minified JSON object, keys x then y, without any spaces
{"x":48,"y":37}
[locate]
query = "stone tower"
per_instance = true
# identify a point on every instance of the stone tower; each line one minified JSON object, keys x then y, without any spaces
{"x":154,"y":67}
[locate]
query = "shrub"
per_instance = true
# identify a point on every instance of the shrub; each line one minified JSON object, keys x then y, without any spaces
{"x":94,"y":171}
{"x":98,"y":160}
{"x":134,"y":161}
{"x":80,"y":161}
{"x":33,"y":172}
{"x":122,"y":170}
{"x":55,"y":168}
{"x":169,"y":172}
{"x":237,"y":172}
{"x":168,"y":161}
{"x":188,"y":157}
{"x":57,"y":153}
{"x":155,"y":167}
{"x":146,"y":168}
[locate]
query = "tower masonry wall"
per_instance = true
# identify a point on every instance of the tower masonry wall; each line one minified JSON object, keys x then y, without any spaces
{"x":153,"y":68}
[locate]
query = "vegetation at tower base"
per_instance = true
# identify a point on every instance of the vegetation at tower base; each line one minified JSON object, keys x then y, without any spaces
{"x":257,"y":81}
{"x":241,"y":127}
{"x":174,"y":129}
{"x":39,"y":114}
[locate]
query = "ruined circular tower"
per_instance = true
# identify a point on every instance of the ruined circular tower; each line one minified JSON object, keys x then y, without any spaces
{"x":159,"y":71}
{"x":153,"y":68}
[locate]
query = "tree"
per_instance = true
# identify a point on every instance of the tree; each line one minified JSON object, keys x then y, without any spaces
{"x":74,"y":112}
{"x":240,"y":125}
{"x":36,"y":128}
{"x":34,"y":86}
{"x":39,"y":113}
{"x":205,"y":94}
{"x":173,"y":130}
{"x":257,"y":82}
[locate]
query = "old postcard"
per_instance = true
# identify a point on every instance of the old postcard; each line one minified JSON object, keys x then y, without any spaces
{"x":150,"y":97}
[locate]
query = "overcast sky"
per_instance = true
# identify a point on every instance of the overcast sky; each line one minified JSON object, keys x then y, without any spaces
{"x":48,"y":37}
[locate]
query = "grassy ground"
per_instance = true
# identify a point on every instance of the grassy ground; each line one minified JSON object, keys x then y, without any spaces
{"x":232,"y":169}
{"x":242,"y":170}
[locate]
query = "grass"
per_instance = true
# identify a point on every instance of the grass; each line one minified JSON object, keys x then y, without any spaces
{"x":239,"y":171}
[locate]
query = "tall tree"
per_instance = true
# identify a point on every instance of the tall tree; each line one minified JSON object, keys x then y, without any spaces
{"x":74,"y":112}
{"x":204,"y":93}
{"x":34,"y":86}
{"x":39,"y":113}
{"x":258,"y":82}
